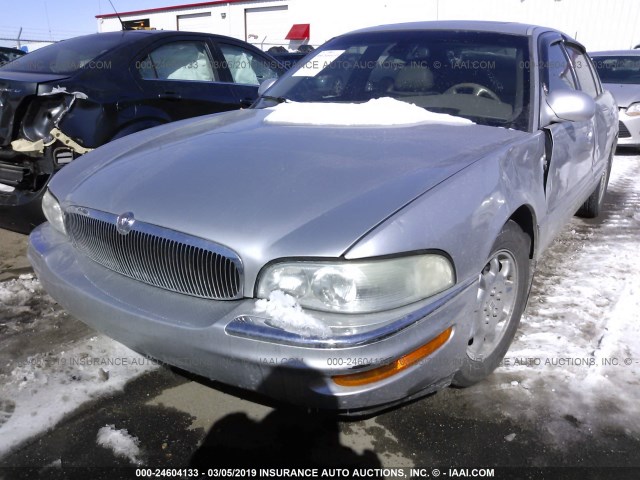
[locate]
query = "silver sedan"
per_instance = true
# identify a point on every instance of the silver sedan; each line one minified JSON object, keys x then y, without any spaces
{"x":619,"y":70}
{"x":341,"y":248}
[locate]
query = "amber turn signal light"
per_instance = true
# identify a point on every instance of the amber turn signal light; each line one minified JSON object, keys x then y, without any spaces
{"x":396,"y":366}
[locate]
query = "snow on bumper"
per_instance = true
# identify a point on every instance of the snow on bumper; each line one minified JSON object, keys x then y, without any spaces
{"x":227,"y":342}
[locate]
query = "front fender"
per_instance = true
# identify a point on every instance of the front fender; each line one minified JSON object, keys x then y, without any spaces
{"x":464,"y":214}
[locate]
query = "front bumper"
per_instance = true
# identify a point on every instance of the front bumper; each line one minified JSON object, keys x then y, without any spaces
{"x":21,"y":211}
{"x":23,"y":181}
{"x":202,"y":336}
{"x":629,"y":131}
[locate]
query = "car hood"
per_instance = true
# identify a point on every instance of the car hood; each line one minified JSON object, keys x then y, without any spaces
{"x":270,"y":191}
{"x":625,"y":94}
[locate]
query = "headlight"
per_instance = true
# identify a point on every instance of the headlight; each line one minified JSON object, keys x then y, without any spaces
{"x":633,"y":110}
{"x":53,"y":212}
{"x":359,"y":286}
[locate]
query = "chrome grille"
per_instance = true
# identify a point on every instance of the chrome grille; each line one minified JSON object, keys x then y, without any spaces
{"x":157,"y":256}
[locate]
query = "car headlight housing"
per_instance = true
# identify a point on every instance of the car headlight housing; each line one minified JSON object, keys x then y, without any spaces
{"x":362,"y":286}
{"x":633,"y":110}
{"x":53,"y":212}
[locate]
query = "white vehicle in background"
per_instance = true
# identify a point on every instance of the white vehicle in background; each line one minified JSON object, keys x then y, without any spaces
{"x":619,"y":71}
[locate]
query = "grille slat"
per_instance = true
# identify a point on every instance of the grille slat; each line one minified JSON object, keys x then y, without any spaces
{"x":199,"y":260}
{"x":157,"y":256}
{"x":623,"y":131}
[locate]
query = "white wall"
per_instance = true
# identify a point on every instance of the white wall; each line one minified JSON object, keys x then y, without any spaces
{"x":598,"y":24}
{"x":168,"y":20}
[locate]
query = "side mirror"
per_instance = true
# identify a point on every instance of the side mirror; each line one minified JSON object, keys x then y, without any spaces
{"x":568,"y":105}
{"x":266,"y":85}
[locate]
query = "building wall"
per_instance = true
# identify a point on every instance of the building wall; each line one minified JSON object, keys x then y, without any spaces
{"x":599,"y":25}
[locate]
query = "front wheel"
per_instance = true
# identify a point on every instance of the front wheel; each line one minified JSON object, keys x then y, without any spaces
{"x":503,"y":288}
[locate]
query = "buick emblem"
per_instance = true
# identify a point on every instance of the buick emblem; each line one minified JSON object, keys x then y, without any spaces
{"x":124,"y":223}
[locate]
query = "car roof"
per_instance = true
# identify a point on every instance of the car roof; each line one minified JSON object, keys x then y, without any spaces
{"x":615,"y":53}
{"x":133,"y":35}
{"x":512,"y":28}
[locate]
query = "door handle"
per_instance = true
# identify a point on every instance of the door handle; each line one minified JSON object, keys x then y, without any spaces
{"x":169,"y":96}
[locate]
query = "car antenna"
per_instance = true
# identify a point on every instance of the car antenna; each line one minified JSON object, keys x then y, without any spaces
{"x":124,"y":27}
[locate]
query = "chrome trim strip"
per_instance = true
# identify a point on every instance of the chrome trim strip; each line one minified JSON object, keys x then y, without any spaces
{"x":157,"y":256}
{"x":257,"y":328}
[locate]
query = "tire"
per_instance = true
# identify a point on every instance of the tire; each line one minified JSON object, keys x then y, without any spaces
{"x":503,"y":289}
{"x":593,"y":205}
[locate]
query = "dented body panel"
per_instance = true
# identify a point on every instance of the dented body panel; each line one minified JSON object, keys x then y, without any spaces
{"x":16,"y":90}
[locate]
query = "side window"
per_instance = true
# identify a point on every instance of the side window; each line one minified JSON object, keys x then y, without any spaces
{"x":186,"y":60}
{"x":245,"y":66}
{"x":559,"y":73}
{"x":582,"y":66}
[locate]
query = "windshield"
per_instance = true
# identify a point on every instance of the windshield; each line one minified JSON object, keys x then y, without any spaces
{"x":618,"y":69}
{"x":67,"y":56}
{"x":480,"y":76}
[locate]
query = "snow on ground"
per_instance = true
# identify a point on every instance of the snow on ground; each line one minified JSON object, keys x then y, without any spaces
{"x":376,"y":112}
{"x":19,"y":298}
{"x":575,"y":361}
{"x":42,"y":390}
{"x":64,"y":369}
{"x":120,"y":442}
{"x":30,"y":320}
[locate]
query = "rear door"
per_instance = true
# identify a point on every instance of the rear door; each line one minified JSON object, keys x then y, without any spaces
{"x":180,"y":77}
{"x":606,"y":111}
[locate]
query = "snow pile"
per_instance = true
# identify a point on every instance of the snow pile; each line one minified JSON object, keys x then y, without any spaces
{"x":21,"y":301}
{"x":376,"y":112}
{"x":18,"y":293}
{"x":120,"y":442}
{"x":285,"y":312}
{"x":30,"y":321}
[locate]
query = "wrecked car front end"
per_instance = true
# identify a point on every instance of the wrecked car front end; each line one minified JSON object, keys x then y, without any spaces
{"x":52,"y":106}
{"x":33,"y":143}
{"x":63,"y":100}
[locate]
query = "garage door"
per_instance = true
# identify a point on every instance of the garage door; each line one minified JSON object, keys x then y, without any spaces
{"x":267,"y":26}
{"x":195,"y":22}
